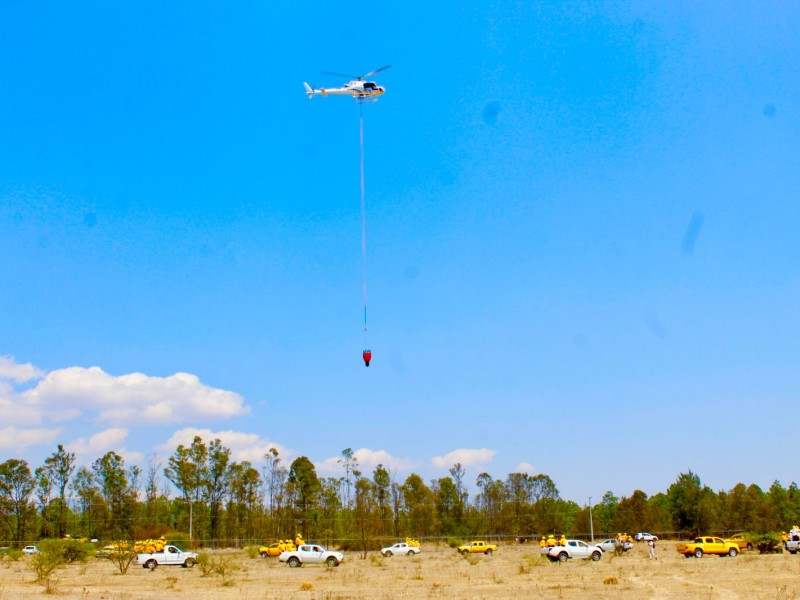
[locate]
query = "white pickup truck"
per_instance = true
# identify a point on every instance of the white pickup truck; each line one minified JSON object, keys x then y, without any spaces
{"x":311,"y":554}
{"x":574,"y":549}
{"x":172,"y":555}
{"x":401,"y":548}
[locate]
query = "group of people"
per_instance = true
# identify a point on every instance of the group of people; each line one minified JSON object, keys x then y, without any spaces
{"x":551,"y":540}
{"x":793,"y":535}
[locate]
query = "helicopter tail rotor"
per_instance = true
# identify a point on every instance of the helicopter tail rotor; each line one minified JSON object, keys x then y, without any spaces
{"x":309,"y":91}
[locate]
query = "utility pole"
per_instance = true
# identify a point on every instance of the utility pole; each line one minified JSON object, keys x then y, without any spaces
{"x":591,"y":523}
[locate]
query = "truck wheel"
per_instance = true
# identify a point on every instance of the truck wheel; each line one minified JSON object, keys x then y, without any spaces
{"x":151,"y":564}
{"x":293,"y":562}
{"x":188,"y":564}
{"x":464,"y":552}
{"x":410,"y":553}
{"x":698,"y":553}
{"x":264,"y":555}
{"x":488,"y":551}
{"x":596,"y":556}
{"x":332,"y":562}
{"x":563,"y":557}
{"x":733,"y":552}
{"x":388,"y":553}
{"x":749,"y":547}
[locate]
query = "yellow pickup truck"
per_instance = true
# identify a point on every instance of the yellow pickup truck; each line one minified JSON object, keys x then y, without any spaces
{"x":741,"y":541}
{"x":477,"y":548}
{"x":708,"y":545}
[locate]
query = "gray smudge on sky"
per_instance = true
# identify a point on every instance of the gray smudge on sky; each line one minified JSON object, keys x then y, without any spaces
{"x":692,"y":231}
{"x":491,"y":112}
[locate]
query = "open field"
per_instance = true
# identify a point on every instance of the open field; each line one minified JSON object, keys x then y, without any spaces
{"x":515,"y":571}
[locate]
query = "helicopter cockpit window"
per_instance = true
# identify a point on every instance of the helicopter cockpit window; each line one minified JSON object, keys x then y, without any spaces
{"x":369,"y":86}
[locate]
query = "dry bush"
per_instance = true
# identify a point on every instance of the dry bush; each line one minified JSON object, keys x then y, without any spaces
{"x":377,"y":560}
{"x":43,"y":564}
{"x":225,"y":567}
{"x":171,"y":582}
{"x":610,"y":581}
{"x":306,"y":587}
{"x":205,"y":564}
{"x":121,"y":556}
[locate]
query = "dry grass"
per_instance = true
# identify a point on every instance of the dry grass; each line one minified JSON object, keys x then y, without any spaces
{"x":514,"y":571}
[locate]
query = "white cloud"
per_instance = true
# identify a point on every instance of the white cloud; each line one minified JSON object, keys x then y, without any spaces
{"x":243,"y":446}
{"x":367,"y":461}
{"x":99,"y":443}
{"x":14,"y":411}
{"x":103,"y":442}
{"x":525,"y":467}
{"x":465,"y":456}
{"x":10,"y":369}
{"x":132,"y":398}
{"x":16,"y":439}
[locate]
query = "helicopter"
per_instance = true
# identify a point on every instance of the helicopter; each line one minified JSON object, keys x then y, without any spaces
{"x":357,"y":88}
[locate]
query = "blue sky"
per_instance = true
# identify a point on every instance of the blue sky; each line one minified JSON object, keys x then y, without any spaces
{"x":582,"y":228}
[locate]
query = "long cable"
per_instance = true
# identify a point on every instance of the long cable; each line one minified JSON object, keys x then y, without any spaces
{"x":363,"y":215}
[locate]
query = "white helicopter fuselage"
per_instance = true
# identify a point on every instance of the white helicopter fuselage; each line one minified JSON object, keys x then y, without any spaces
{"x":357,"y":89}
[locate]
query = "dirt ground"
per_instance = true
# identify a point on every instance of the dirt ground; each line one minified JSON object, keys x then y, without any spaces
{"x":514,"y":571}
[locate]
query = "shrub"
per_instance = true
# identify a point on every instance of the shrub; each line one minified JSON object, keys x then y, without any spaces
{"x":122,"y":555}
{"x":767,"y":543}
{"x":70,"y":550}
{"x":205,"y":564}
{"x":252,"y":552}
{"x":454,"y":542}
{"x":13,"y":555}
{"x":44,"y":563}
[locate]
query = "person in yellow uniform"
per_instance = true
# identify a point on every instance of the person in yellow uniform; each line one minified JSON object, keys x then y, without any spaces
{"x":542,"y":542}
{"x":551,"y":540}
{"x":563,"y":540}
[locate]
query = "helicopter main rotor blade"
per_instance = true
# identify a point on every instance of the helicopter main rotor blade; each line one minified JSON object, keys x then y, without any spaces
{"x":376,"y":71}
{"x":340,"y":74}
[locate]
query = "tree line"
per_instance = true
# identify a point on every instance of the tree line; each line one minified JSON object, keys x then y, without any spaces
{"x":205,"y":498}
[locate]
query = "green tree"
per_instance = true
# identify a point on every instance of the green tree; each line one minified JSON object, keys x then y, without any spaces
{"x":16,"y":486}
{"x":304,"y":486}
{"x":216,"y":483}
{"x":244,"y":484}
{"x":420,"y":506}
{"x":60,"y":466}
{"x":349,"y":464}
{"x":605,"y":511}
{"x":44,"y":491}
{"x":491,"y":499}
{"x":382,"y":484}
{"x":92,"y":506}
{"x":633,"y":514}
{"x":187,"y":470}
{"x":119,"y":490}
{"x":694,"y":507}
{"x":781,"y":507}
{"x":364,"y":510}
{"x":448,"y":510}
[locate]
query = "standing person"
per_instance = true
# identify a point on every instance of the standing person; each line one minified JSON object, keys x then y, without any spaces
{"x":651,"y":549}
